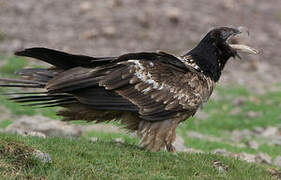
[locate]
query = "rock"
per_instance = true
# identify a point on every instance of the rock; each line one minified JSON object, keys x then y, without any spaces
{"x":39,"y":124}
{"x":89,"y":34}
{"x":220,"y":167}
{"x":277,"y":161}
{"x":253,"y":114}
{"x":109,"y":31}
{"x":143,"y":20}
{"x":254,"y":100}
{"x":194,"y":134}
{"x":263,"y":158}
{"x":34,"y":133}
{"x":222,"y":152}
{"x":235,"y":111}
{"x":275,"y":173}
{"x":247,"y":157}
{"x":237,"y":135}
{"x":191,"y":150}
{"x":252,"y":144}
{"x":174,"y":15}
{"x":202,"y":115}
{"x":239,"y":101}
{"x":106,"y":128}
{"x":85,"y":6}
{"x":276,"y":142}
{"x":5,"y":112}
{"x":116,"y":3}
{"x":179,"y":144}
{"x":258,"y":130}
{"x":43,"y":157}
{"x":94,"y":139}
{"x":270,"y":131}
{"x":119,"y":140}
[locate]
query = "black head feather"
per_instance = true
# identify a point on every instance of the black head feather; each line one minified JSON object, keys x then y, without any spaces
{"x":213,"y":51}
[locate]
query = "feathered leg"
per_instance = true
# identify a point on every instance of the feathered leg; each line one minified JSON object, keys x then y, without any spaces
{"x":157,"y":135}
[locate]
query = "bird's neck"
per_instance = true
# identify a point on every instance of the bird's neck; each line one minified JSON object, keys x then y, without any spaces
{"x":207,"y":56}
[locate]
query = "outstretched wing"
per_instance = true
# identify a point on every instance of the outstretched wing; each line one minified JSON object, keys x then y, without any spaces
{"x":156,"y":86}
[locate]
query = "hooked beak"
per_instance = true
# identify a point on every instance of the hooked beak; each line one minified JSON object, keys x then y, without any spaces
{"x":242,"y":47}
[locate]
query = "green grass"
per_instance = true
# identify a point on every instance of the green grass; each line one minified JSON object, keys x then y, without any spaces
{"x":105,"y":159}
{"x":221,"y":120}
{"x":5,"y":123}
{"x":12,"y":64}
{"x":81,"y":159}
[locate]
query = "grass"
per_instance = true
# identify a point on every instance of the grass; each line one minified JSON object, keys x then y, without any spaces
{"x":109,"y":160}
{"x":12,"y":64}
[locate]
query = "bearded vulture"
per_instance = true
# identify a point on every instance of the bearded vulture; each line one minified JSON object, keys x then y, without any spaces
{"x":147,"y":92}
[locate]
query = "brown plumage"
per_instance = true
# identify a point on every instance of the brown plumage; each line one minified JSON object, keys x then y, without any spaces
{"x":150,"y":93}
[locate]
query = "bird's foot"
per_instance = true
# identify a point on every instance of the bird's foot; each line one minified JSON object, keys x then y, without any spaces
{"x":171,"y":148}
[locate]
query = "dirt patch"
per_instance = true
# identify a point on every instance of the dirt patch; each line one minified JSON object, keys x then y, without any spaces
{"x":15,"y":158}
{"x":105,"y":28}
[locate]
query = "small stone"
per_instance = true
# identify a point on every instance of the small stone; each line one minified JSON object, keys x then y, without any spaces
{"x":143,"y":20}
{"x":116,"y":3}
{"x":222,"y":152}
{"x":270,"y":131}
{"x":85,"y":6}
{"x":94,"y":139}
{"x":247,"y":157}
{"x":246,"y":133}
{"x":119,"y":140}
{"x":220,"y":167}
{"x":34,"y":133}
{"x":194,"y":134}
{"x":202,"y":115}
{"x":89,"y":34}
{"x":258,"y":130}
{"x":174,"y":15}
{"x":276,"y":142}
{"x":40,"y":124}
{"x":263,"y":158}
{"x":179,"y":144}
{"x":252,"y":144}
{"x":253,"y":114}
{"x":254,"y":100}
{"x":239,"y":101}
{"x":235,"y":111}
{"x":277,"y":161}
{"x":191,"y":150}
{"x":109,"y":31}
{"x":43,"y":157}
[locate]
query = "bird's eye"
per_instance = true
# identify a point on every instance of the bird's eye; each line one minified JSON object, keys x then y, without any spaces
{"x":223,"y":34}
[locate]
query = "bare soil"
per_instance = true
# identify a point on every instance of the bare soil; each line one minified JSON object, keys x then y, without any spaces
{"x":105,"y":28}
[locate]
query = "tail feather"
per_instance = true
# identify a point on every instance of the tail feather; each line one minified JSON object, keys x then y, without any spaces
{"x":63,"y":60}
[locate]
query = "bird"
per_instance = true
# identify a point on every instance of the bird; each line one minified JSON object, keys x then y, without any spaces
{"x":149,"y":93}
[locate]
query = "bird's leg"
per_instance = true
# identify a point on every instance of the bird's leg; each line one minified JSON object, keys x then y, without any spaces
{"x":156,"y":135}
{"x":171,"y":148}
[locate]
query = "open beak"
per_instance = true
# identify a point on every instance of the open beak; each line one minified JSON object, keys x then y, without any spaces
{"x":242,"y":47}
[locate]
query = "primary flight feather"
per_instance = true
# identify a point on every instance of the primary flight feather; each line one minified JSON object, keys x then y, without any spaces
{"x":148,"y":92}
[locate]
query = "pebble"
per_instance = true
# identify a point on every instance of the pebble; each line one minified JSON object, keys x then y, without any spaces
{"x":247,"y":157}
{"x":119,"y":140}
{"x":277,"y":161}
{"x":174,"y":15}
{"x":109,"y":31}
{"x":253,"y":144}
{"x":220,"y":167}
{"x":270,"y":131}
{"x":263,"y":158}
{"x":43,"y":157}
{"x":94,"y":139}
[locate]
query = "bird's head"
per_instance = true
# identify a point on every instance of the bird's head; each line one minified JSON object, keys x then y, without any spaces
{"x":214,"y":50}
